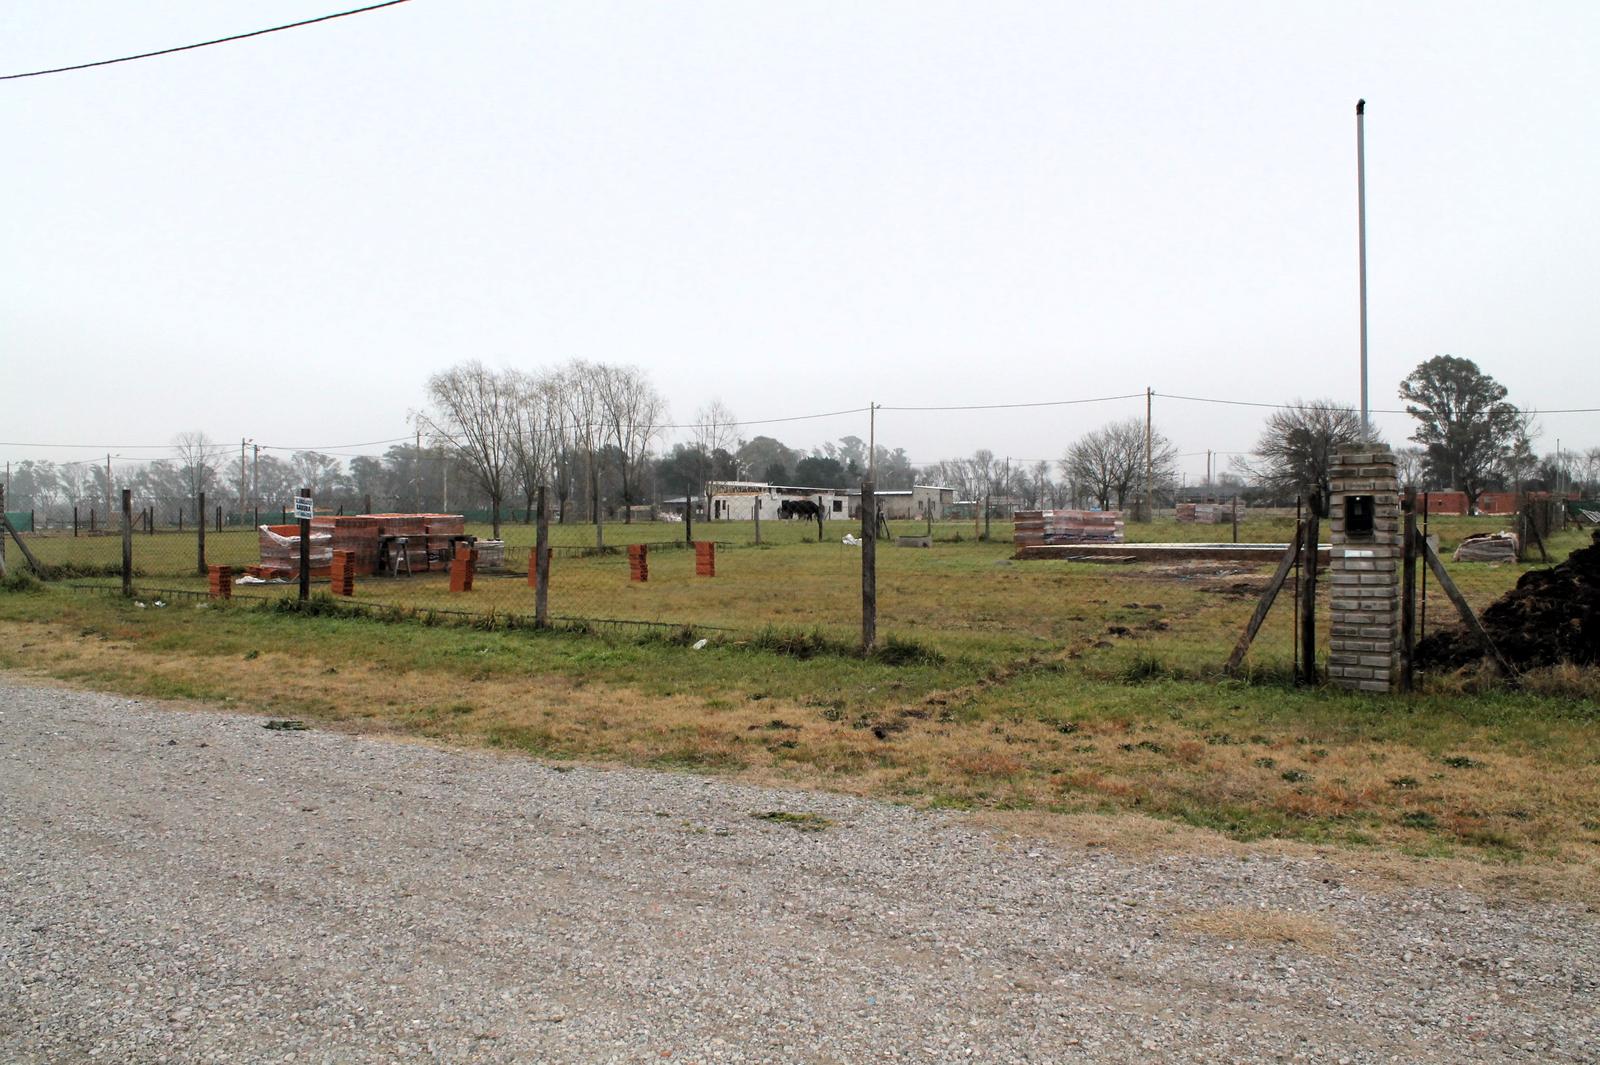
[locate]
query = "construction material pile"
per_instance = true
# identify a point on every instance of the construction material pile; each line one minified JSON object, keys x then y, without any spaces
{"x":1551,"y":616}
{"x":1203,"y":513}
{"x":280,"y":552}
{"x":1036,"y":528}
{"x":1487,"y":547}
{"x":429,"y":539}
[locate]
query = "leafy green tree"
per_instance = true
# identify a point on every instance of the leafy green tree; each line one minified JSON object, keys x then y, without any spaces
{"x":1467,"y":430}
{"x":819,"y":471}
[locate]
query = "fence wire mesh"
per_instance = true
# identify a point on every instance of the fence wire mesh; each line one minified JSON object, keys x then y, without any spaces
{"x":950,"y":587}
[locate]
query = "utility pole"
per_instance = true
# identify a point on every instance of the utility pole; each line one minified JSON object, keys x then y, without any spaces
{"x":872,"y":441}
{"x":416,"y":479}
{"x":244,"y":479}
{"x":1149,"y":458}
{"x":108,"y":488}
{"x":1361,"y":224}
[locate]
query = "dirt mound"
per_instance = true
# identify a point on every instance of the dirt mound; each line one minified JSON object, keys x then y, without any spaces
{"x":1552,"y":615}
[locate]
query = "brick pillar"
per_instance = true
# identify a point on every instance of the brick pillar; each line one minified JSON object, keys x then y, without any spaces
{"x":638,"y":562}
{"x":462,"y":567}
{"x":343,"y":573}
{"x":1364,"y":571}
{"x":221,"y":581}
{"x":705,"y":558}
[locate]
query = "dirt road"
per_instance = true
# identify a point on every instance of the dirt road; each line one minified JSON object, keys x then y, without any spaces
{"x":190,"y":886}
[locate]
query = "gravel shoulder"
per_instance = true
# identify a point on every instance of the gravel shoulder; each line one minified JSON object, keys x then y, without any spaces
{"x":190,"y":886}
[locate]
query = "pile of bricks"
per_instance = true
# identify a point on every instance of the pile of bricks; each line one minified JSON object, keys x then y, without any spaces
{"x":344,"y":573}
{"x":357,"y":536}
{"x":1203,"y":513}
{"x":705,"y":558}
{"x":1035,"y":528}
{"x":462,"y":568}
{"x":638,"y":562}
{"x":280,"y":553}
{"x":221,"y":578}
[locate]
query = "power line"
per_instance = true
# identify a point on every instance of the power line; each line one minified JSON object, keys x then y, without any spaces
{"x":1013,"y":406}
{"x":203,"y":44}
{"x":1351,"y":410}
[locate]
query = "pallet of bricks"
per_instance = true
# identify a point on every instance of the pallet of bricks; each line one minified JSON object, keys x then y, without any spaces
{"x":280,"y":553}
{"x":1203,"y":513}
{"x":638,"y":562}
{"x":1036,"y":528}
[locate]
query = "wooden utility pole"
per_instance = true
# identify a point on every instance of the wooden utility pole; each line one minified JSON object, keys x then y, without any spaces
{"x":200,"y":538}
{"x":1149,"y":457}
{"x":2,"y":531}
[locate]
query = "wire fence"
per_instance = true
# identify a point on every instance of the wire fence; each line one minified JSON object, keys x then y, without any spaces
{"x":1162,"y":602}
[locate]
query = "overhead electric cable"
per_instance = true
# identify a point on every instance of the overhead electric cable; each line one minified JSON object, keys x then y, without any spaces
{"x":202,"y":44}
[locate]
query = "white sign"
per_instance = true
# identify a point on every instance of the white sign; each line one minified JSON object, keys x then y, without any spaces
{"x":303,"y":510}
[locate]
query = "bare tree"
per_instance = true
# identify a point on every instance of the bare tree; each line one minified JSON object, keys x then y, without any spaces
{"x":716,"y":429}
{"x":535,"y":438}
{"x":1409,"y":466}
{"x":196,"y":461}
{"x":1109,"y":462}
{"x":583,"y":417}
{"x":632,"y":411}
{"x":1297,"y":445}
{"x":473,"y":416}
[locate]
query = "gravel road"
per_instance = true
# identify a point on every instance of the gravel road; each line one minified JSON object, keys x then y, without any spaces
{"x":180,"y":886}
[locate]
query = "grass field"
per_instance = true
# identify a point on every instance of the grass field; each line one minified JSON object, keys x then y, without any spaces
{"x":962,"y":597}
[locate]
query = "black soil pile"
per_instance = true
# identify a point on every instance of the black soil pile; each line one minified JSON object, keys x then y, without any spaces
{"x":1552,"y":615}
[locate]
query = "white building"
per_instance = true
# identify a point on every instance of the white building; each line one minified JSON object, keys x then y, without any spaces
{"x":737,"y":500}
{"x":922,"y":501}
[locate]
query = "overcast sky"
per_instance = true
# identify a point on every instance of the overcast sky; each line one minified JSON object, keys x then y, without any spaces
{"x":795,"y":207}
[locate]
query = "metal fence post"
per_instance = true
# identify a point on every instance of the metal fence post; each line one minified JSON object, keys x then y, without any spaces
{"x":869,"y":566}
{"x":758,"y":520}
{"x":2,"y":531}
{"x":541,"y":565}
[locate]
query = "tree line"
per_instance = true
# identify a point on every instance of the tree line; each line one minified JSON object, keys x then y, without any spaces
{"x":595,"y":434}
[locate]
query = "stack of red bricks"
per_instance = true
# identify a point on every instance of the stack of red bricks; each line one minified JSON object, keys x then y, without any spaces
{"x":462,"y":568}
{"x":705,"y":558}
{"x":344,"y":573}
{"x":533,"y":562}
{"x":638,"y":562}
{"x":1037,"y":527}
{"x":221,"y":581}
{"x":356,"y":534}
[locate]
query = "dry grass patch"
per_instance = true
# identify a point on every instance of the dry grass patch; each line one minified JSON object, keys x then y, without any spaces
{"x":1278,"y":928}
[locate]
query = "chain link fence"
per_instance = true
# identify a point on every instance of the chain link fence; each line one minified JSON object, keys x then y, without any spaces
{"x":952,"y":588}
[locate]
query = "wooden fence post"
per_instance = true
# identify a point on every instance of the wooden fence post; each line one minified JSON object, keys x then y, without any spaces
{"x":869,"y":566}
{"x":541,"y":565}
{"x":758,"y":520}
{"x":688,"y":515}
{"x":2,"y":530}
{"x":305,"y":552}
{"x":127,"y":542}
{"x":219,"y":517}
{"x":74,"y":523}
{"x":1308,"y":594}
{"x":1408,"y":591}
{"x":200,"y":534}
{"x":819,"y":519}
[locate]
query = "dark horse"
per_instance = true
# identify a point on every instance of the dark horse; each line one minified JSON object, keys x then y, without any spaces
{"x":799,"y":508}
